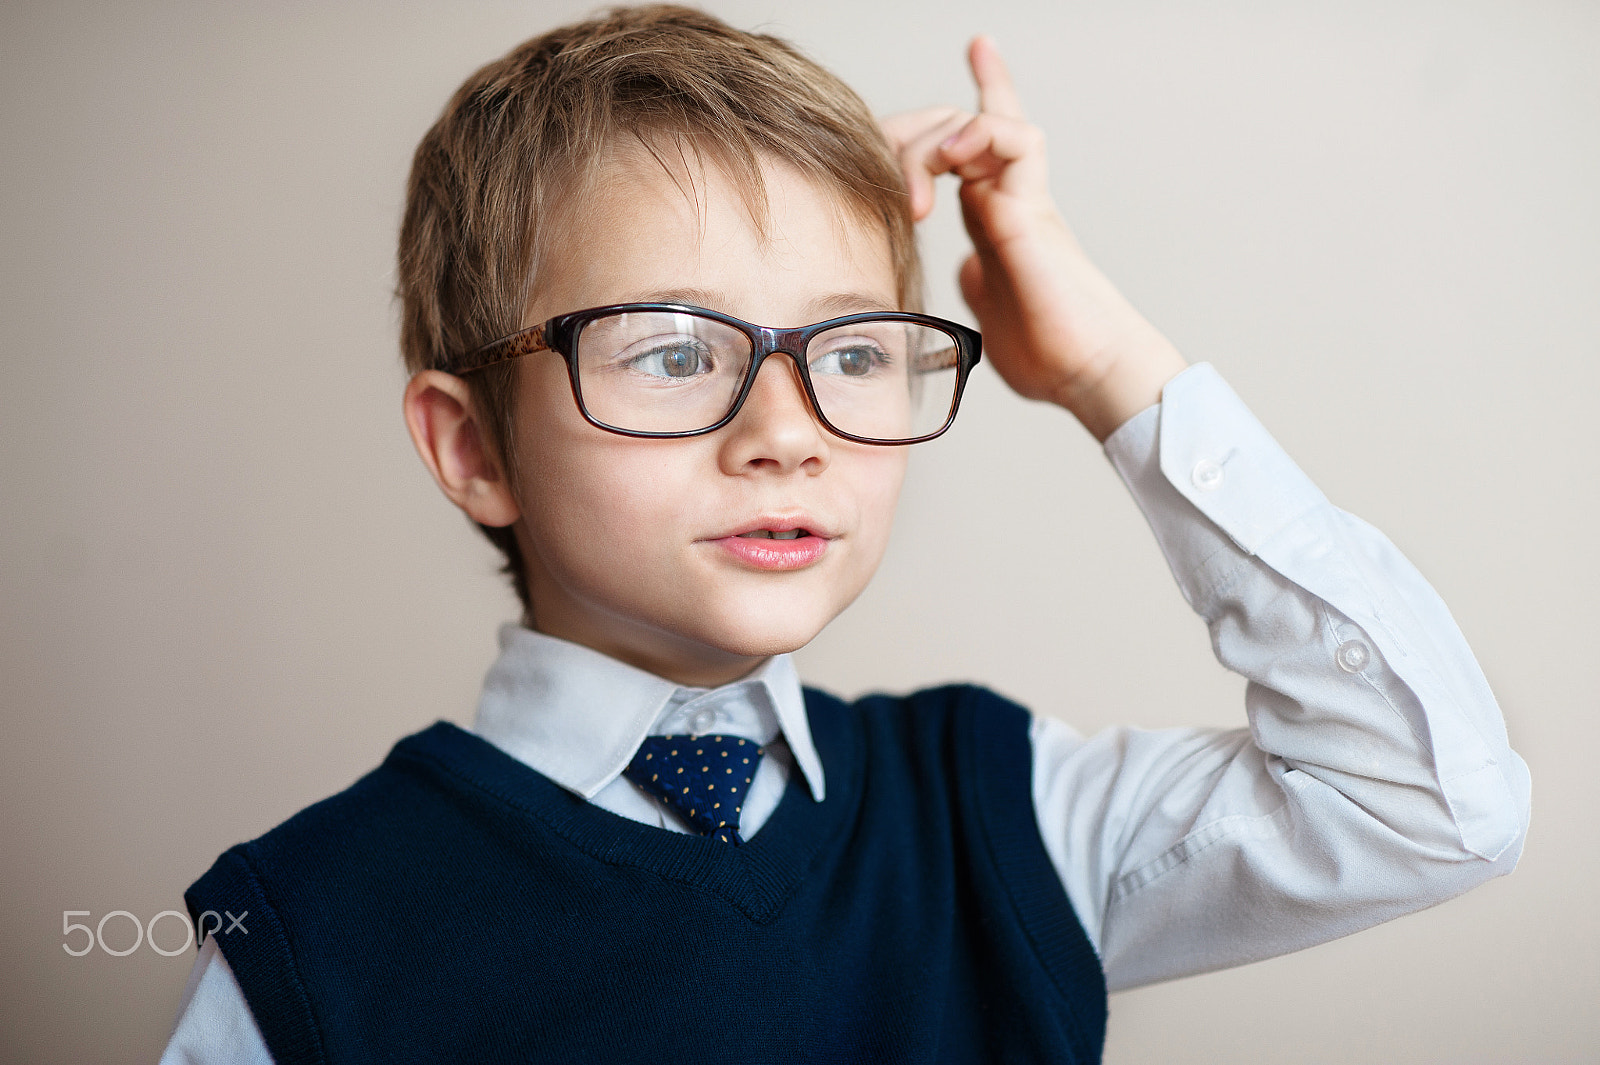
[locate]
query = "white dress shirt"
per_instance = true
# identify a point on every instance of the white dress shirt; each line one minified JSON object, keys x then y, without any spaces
{"x":1373,"y":778}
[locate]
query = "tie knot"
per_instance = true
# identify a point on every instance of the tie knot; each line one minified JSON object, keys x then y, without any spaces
{"x":704,"y":778}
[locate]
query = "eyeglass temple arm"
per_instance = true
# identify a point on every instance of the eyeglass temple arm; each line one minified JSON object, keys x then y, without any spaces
{"x":944,"y":358}
{"x":505,"y":349}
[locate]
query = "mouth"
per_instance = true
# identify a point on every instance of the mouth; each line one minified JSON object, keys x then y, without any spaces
{"x":774,"y":534}
{"x":776,"y":544}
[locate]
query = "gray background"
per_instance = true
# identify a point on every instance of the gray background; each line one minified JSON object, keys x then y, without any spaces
{"x":227,"y":584}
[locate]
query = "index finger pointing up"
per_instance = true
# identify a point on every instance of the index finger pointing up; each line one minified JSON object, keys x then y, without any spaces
{"x":996,"y":94}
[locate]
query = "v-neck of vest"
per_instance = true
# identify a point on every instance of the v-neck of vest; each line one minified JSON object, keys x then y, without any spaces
{"x":756,"y":877}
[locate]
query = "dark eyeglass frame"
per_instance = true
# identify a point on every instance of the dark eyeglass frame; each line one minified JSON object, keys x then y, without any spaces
{"x":560,"y":335}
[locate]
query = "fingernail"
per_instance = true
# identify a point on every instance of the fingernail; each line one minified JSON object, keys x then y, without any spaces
{"x":950,"y":140}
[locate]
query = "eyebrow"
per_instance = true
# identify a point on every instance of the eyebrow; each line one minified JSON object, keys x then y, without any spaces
{"x":833,"y":305}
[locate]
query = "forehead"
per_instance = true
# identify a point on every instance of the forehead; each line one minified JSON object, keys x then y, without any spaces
{"x":662,"y":218}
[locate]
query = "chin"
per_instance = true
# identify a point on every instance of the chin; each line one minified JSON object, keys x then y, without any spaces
{"x":774,"y":628}
{"x":756,"y":646}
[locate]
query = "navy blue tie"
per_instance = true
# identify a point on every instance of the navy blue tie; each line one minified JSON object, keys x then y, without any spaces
{"x":704,"y":778}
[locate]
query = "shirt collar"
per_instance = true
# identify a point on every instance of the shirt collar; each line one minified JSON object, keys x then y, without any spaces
{"x":578,"y":716}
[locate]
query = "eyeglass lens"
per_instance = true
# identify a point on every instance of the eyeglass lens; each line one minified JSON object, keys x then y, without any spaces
{"x":671,"y":372}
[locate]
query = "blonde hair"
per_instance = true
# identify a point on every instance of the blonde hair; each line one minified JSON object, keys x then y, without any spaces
{"x":525,"y":135}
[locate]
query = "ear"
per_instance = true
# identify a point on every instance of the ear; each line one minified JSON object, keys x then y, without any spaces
{"x":445,"y":428}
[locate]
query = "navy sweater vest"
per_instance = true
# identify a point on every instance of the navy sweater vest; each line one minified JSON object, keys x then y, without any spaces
{"x":456,"y":905}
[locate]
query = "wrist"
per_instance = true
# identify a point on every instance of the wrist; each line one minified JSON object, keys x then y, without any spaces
{"x":1131,"y":381}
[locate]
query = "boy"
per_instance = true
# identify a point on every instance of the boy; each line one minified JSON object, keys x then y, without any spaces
{"x":654,"y":842}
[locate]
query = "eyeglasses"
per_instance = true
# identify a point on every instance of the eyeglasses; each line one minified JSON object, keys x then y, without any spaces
{"x":668,"y":370}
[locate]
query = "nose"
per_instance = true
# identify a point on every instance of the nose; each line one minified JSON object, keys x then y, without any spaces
{"x":776,"y":427}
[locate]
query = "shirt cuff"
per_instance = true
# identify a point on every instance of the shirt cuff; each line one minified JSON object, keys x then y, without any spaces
{"x":1200,"y":449}
{"x":1206,"y":438}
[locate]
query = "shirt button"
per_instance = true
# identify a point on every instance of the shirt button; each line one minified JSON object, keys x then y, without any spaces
{"x":1207,"y":475}
{"x":1352,"y":656}
{"x":703,"y":720}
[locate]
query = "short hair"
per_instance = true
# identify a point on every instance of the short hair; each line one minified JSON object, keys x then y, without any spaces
{"x":525,"y":135}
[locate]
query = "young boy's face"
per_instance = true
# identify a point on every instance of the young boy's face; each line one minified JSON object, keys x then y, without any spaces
{"x":628,"y":541}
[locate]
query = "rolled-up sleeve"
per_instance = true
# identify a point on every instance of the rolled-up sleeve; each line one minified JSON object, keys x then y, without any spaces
{"x":1374,"y":777}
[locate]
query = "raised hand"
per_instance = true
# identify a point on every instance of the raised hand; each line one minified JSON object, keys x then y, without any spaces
{"x":1054,"y":327}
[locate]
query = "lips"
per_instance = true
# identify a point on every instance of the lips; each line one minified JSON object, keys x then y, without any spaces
{"x":781,"y":528}
{"x":774,"y":543}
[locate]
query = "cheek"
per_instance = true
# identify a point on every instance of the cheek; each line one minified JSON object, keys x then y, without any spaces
{"x":602,"y":508}
{"x":592,"y":488}
{"x":877,"y":478}
{"x":577,"y":483}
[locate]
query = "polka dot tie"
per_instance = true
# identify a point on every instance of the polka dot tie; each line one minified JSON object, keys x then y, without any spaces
{"x":704,"y":778}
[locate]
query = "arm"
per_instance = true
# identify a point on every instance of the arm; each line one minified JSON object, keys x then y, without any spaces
{"x":215,"y":1025}
{"x":1374,"y":777}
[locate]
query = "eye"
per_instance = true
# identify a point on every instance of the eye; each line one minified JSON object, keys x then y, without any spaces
{"x":673,"y":357}
{"x":853,"y":357}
